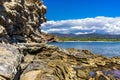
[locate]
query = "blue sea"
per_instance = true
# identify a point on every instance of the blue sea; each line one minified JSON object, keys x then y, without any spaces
{"x":109,"y":49}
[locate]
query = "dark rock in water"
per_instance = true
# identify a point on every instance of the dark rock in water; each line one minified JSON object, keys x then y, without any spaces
{"x":115,"y":73}
{"x":92,"y":73}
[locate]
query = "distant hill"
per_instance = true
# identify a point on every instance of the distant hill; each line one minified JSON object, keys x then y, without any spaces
{"x":87,"y":35}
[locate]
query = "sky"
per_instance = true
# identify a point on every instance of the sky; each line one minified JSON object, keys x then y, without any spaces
{"x":86,"y":16}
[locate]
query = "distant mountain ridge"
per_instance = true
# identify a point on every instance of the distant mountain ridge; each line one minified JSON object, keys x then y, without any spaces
{"x":93,"y":35}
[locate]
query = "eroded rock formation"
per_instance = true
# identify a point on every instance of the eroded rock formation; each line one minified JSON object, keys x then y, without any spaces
{"x":46,"y":62}
{"x":29,"y":58}
{"x":20,"y":20}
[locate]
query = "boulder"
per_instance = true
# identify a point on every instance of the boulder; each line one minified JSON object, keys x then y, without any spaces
{"x":10,"y":59}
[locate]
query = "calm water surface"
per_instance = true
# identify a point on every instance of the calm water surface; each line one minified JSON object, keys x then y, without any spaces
{"x":108,"y":49}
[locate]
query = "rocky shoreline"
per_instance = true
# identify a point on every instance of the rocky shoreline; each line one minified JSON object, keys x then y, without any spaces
{"x":25,"y":56}
{"x":36,"y":61}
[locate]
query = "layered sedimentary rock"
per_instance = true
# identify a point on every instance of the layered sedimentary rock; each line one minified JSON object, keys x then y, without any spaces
{"x":46,"y":62}
{"x":32,"y":59}
{"x":20,"y":20}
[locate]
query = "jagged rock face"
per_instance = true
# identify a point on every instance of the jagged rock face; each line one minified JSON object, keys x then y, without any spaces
{"x":20,"y":20}
{"x":10,"y":58}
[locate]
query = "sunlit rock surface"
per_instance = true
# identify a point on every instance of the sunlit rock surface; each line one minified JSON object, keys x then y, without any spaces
{"x":52,"y":63}
{"x":20,"y":20}
{"x":10,"y":59}
{"x":25,"y":56}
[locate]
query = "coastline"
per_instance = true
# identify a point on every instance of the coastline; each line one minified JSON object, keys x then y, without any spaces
{"x":88,"y":41}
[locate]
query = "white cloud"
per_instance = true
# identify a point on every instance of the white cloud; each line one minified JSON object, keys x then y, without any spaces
{"x":56,"y":30}
{"x":85,"y":32}
{"x":99,"y":24}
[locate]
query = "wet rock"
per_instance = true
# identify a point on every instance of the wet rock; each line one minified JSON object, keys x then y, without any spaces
{"x":92,"y":73}
{"x":115,"y":73}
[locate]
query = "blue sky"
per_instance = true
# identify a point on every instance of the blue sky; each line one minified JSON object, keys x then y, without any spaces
{"x":76,"y":9}
{"x":68,"y":16}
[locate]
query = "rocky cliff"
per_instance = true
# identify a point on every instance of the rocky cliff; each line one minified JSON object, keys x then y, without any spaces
{"x":25,"y":56}
{"x":20,"y":20}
